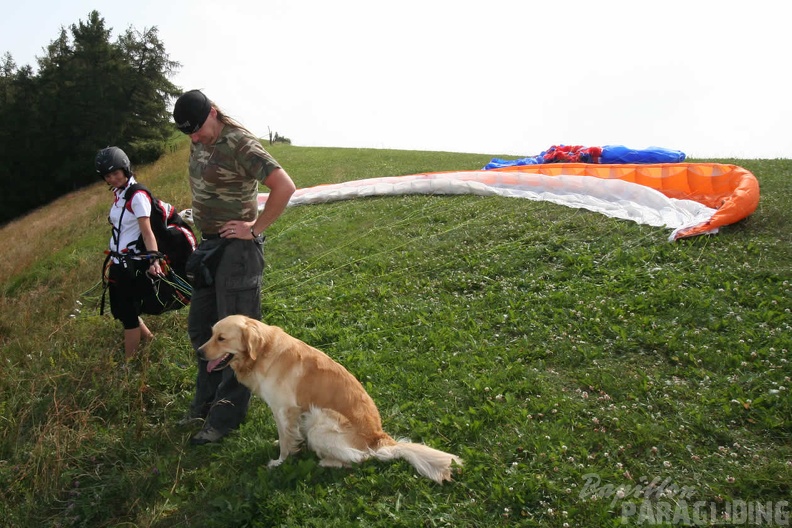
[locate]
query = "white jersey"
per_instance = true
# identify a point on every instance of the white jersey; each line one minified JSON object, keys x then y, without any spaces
{"x":124,"y":237}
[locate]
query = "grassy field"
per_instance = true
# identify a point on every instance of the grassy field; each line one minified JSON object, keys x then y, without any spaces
{"x":589,"y":372}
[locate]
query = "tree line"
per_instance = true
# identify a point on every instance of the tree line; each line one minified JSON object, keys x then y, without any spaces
{"x":88,"y":93}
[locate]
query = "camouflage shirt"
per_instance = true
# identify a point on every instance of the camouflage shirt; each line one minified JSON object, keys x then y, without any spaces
{"x":224,"y":178}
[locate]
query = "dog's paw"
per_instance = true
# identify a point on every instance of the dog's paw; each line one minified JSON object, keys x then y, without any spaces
{"x":275,"y":463}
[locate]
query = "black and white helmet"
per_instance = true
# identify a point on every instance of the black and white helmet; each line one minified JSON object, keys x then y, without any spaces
{"x":110,"y":159}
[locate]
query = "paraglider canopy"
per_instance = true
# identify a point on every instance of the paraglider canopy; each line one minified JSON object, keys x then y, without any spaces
{"x":689,"y":198}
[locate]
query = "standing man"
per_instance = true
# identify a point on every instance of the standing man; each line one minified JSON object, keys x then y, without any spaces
{"x":227,"y":163}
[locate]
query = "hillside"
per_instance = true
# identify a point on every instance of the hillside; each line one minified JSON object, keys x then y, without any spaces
{"x":564,"y":355}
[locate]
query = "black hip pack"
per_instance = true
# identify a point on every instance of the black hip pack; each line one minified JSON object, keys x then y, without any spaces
{"x":202,"y":264}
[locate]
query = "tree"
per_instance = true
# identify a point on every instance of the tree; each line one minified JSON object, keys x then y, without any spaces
{"x":147,"y":91}
{"x":89,"y":93}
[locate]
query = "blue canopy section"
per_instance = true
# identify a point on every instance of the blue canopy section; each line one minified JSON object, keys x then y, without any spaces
{"x":620,"y":154}
{"x":607,"y":154}
{"x":497,"y":163}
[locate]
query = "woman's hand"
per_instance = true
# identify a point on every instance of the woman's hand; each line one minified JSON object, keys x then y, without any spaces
{"x":155,"y":268}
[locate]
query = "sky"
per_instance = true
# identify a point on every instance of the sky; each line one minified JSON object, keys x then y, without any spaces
{"x":508,"y":78}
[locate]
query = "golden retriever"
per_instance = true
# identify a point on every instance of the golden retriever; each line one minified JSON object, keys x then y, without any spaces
{"x":313,"y":399}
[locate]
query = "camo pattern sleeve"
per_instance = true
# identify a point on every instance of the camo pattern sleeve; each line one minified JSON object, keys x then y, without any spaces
{"x":224,"y":178}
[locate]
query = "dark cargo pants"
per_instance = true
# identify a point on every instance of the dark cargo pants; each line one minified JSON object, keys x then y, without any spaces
{"x":219,"y":397}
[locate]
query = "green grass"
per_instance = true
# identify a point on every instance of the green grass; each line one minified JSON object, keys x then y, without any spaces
{"x":546,"y":346}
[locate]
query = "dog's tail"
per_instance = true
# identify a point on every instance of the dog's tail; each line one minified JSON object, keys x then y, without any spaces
{"x":429,"y":462}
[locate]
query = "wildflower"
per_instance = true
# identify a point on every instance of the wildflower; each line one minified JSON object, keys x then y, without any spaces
{"x":730,"y":480}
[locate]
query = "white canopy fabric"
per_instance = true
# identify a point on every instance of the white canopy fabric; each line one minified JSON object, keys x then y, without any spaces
{"x":611,"y":197}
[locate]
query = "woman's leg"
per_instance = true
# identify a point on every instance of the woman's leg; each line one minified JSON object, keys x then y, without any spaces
{"x":124,"y":307}
{"x":145,"y":334}
{"x":134,"y":336}
{"x":131,"y":342}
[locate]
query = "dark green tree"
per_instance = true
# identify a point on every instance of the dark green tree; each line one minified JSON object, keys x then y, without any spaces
{"x":145,"y":82}
{"x":88,"y":93}
{"x":19,"y":135}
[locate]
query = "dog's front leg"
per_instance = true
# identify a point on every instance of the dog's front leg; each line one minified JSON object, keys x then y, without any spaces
{"x":289,"y":436}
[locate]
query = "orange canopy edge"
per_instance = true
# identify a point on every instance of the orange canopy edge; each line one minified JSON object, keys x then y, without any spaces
{"x":730,"y":189}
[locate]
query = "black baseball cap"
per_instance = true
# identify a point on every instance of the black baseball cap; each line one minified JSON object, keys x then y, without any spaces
{"x":191,"y":110}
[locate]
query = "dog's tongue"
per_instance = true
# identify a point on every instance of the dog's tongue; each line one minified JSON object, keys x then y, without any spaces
{"x":214,"y":363}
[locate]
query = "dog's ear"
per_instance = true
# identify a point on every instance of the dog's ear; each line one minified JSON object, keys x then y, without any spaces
{"x":253,"y":338}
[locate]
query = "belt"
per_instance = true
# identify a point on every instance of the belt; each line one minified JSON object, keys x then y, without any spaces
{"x":216,"y":236}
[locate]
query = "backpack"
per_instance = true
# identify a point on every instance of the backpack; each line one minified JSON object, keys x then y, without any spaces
{"x":175,"y":243}
{"x":175,"y":238}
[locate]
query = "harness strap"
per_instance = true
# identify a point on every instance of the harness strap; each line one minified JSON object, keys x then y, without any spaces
{"x":105,"y":282}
